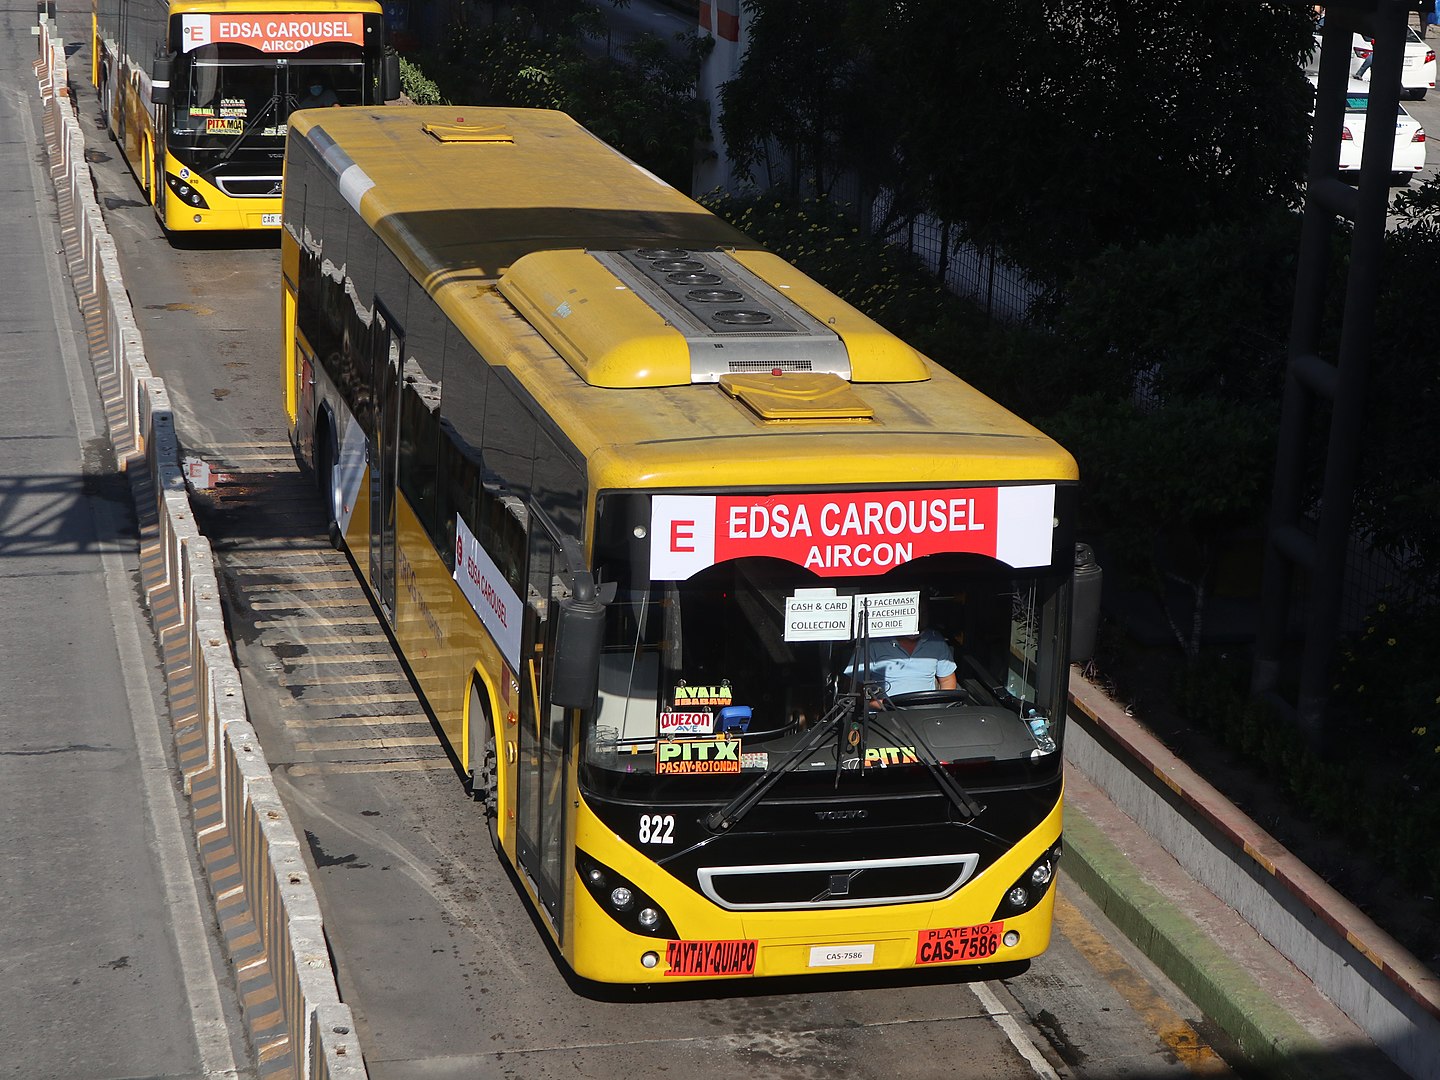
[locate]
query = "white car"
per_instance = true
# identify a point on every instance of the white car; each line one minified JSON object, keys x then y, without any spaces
{"x":1417,"y":77}
{"x":1409,"y":156}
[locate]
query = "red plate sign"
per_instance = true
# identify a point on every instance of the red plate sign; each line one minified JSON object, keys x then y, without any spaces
{"x":955,"y":943}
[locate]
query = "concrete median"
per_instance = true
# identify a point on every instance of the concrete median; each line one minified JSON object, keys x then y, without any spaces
{"x":269,"y":913}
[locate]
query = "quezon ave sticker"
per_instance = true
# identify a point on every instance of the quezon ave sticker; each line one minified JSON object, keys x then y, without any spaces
{"x":955,"y":943}
{"x":710,"y":957}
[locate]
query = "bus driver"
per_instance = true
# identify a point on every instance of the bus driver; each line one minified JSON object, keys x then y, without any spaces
{"x":909,"y":662}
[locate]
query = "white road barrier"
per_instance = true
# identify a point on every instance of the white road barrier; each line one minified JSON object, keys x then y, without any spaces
{"x":268,"y":910}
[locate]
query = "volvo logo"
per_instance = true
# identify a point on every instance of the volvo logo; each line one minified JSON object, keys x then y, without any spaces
{"x":842,"y":815}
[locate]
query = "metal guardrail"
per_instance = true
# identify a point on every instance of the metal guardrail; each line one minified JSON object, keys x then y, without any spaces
{"x":269,"y":913}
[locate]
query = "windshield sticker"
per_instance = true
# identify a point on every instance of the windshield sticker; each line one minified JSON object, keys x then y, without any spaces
{"x":694,"y":756}
{"x":686,"y":723}
{"x":883,"y":757}
{"x":817,"y":615}
{"x":271,"y":33}
{"x":941,"y":946}
{"x":688,"y":696}
{"x":224,"y":125}
{"x":758,"y":760}
{"x":711,"y":957}
{"x":820,"y":615}
{"x":851,"y":533}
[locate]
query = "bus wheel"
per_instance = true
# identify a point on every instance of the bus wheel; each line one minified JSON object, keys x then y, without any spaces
{"x":485,"y":766}
{"x":325,"y":478}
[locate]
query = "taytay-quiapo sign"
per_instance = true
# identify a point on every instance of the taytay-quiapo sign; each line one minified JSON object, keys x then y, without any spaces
{"x":843,"y":534}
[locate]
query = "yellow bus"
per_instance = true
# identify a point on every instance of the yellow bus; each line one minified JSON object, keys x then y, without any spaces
{"x":198,"y":94}
{"x":644,"y":508}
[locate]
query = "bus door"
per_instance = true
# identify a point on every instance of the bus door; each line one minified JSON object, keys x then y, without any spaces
{"x":544,"y":731}
{"x":384,"y":456}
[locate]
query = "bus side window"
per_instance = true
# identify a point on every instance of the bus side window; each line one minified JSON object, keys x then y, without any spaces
{"x":459,"y":486}
{"x":417,"y":475}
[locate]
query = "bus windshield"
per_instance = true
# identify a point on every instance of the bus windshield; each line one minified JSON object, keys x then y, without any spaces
{"x":709,"y":682}
{"x":232,"y":95}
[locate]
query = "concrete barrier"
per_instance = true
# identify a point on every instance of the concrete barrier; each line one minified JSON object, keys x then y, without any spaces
{"x":263,"y":894}
{"x":1388,"y":993}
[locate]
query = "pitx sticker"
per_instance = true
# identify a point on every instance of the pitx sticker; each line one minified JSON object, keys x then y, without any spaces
{"x":884,"y":756}
{"x":697,"y":756}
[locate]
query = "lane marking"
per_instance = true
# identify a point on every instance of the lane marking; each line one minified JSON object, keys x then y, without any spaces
{"x":311,"y":660}
{"x":390,"y":720}
{"x":1172,"y":1029}
{"x":315,"y":602}
{"x":318,"y":768}
{"x":361,"y":699}
{"x":342,"y":679}
{"x":1014,"y":1031}
{"x":392,"y":743}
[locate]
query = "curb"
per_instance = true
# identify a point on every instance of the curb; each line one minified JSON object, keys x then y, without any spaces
{"x":1267,"y":1034}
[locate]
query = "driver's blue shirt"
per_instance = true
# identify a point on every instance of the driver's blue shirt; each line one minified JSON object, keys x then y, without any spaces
{"x":902,"y":672}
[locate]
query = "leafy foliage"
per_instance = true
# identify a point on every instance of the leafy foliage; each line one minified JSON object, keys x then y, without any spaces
{"x":417,"y":86}
{"x":1055,"y":128}
{"x":642,"y":102}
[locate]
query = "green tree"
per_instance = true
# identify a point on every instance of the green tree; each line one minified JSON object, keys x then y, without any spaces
{"x":1051,"y":128}
{"x":1168,"y":485}
{"x":640,"y":99}
{"x":804,"y":85}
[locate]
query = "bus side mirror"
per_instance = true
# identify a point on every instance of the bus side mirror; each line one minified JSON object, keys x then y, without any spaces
{"x":578,"y":636}
{"x":390,"y":87}
{"x":160,"y":81}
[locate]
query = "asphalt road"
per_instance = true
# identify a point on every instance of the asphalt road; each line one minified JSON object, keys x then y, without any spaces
{"x":435,"y":950}
{"x":109,"y":964}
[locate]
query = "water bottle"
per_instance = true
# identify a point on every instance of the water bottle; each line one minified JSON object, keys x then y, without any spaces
{"x":1040,"y":730}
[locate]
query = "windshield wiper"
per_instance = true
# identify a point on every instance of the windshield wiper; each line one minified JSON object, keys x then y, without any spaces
{"x":963,"y":800}
{"x":729,"y":815}
{"x":260,"y":114}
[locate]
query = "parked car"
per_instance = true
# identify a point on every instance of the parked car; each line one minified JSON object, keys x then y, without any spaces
{"x":1417,"y":78}
{"x":1409,"y":155}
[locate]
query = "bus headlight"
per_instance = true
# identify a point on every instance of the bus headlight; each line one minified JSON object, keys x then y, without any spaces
{"x":1030,"y":888}
{"x":623,"y":900}
{"x":184,"y":191}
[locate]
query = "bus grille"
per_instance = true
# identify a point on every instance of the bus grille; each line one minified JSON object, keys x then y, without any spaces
{"x":771,"y":365}
{"x":865,"y":882}
{"x":250,"y":187}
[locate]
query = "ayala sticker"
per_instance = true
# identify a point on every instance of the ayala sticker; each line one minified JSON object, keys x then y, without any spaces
{"x":272,"y":33}
{"x":844,"y":534}
{"x":687,"y":697}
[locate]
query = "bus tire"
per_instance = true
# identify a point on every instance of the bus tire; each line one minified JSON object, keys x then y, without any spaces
{"x":325,"y":479}
{"x":485,"y":765}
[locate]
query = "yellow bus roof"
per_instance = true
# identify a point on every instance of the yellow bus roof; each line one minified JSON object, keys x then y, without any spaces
{"x":272,"y":7}
{"x":462,"y":194}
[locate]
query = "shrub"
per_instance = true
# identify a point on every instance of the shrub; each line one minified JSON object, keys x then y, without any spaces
{"x":417,"y":87}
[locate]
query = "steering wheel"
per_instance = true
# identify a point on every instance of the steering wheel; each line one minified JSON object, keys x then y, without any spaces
{"x":948,"y":698}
